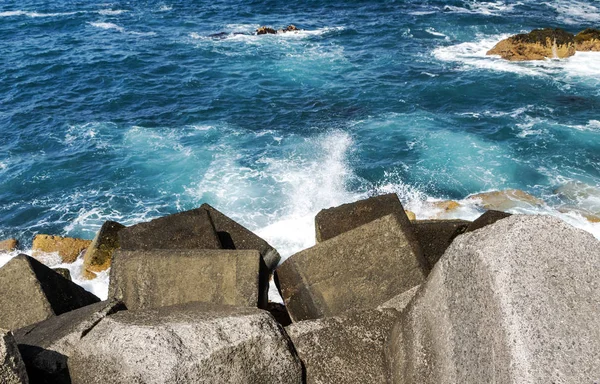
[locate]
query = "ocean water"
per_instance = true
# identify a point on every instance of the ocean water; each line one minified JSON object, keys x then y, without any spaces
{"x":130,"y":110}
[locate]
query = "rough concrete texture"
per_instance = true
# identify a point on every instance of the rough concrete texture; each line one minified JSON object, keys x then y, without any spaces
{"x":487,"y":218}
{"x":344,"y":349}
{"x":64,"y":272}
{"x":235,"y":236}
{"x":190,"y":343}
{"x":98,"y":255}
{"x":332,"y":222}
{"x":12,"y":369}
{"x":68,"y":248}
{"x":401,"y":301}
{"x":163,"y":277}
{"x":46,"y":346}
{"x":31,"y":292}
{"x":435,"y":236}
{"x":514,"y":302}
{"x":184,"y":230}
{"x":359,"y":269}
{"x":8,"y":245}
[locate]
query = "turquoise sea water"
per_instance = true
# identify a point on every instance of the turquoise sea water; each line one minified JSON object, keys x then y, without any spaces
{"x":129,"y":110}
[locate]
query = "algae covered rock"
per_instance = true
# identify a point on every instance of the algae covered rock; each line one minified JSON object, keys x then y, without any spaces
{"x":588,"y":40}
{"x":98,"y":255}
{"x":8,"y":245}
{"x":538,"y":44}
{"x":68,"y":248}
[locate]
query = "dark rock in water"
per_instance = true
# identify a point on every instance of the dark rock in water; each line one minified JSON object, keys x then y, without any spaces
{"x":516,"y":301}
{"x":487,"y":218}
{"x":8,"y":245}
{"x":184,"y":230}
{"x":344,"y":349}
{"x":538,"y":44}
{"x":220,"y":35}
{"x":12,"y":369}
{"x":359,"y":269}
{"x":64,"y":272}
{"x":334,"y":221}
{"x":233,"y":235}
{"x":265,"y":31}
{"x":98,"y":255}
{"x":191,"y":343}
{"x":160,"y":277}
{"x":46,"y":346}
{"x":435,"y":236}
{"x":31,"y":292}
{"x":588,"y":40}
{"x":290,"y":28}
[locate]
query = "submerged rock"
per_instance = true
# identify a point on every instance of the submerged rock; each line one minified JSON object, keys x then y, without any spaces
{"x":265,"y":31}
{"x":8,"y":245}
{"x":68,"y":248}
{"x":588,"y":40}
{"x":505,"y":200}
{"x":538,"y":44}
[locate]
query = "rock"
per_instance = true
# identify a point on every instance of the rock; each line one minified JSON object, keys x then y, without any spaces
{"x":265,"y":30}
{"x":516,"y":301}
{"x":46,"y":346}
{"x":31,"y":292}
{"x":435,"y":236}
{"x":411,"y":215}
{"x":68,"y":248}
{"x":64,"y":272}
{"x":335,"y":221}
{"x":163,"y":277}
{"x":588,"y":40}
{"x":344,"y":349}
{"x":98,"y":256}
{"x":487,"y":218}
{"x":12,"y":369}
{"x":235,"y":236}
{"x":447,"y":205}
{"x":358,"y":269}
{"x":538,"y":44}
{"x":8,"y":245}
{"x":184,"y":230}
{"x":190,"y":343}
{"x":505,"y":200}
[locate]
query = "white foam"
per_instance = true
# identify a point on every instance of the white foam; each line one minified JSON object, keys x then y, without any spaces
{"x":34,"y":14}
{"x":575,"y":12}
{"x":111,"y":12}
{"x":164,"y":8}
{"x":245,"y":33}
{"x":482,"y":8}
{"x":3,"y":166}
{"x":103,"y":25}
{"x":433,"y":32}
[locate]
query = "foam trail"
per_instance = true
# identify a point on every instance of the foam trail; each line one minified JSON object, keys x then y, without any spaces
{"x":34,"y":14}
{"x":107,"y":26}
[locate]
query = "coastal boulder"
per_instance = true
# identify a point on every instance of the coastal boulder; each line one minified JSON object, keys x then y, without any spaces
{"x":233,"y":235}
{"x":516,"y":301}
{"x":68,"y":248}
{"x":505,"y":200}
{"x":359,"y":269}
{"x":344,"y":349}
{"x":588,"y":40}
{"x":332,"y":222}
{"x":46,"y":346}
{"x":435,"y":236}
{"x":31,"y":292}
{"x":538,"y":44}
{"x":98,"y":255}
{"x":190,"y":343}
{"x":163,"y":277}
{"x":183,"y":230}
{"x":8,"y":245}
{"x":264,"y":30}
{"x":12,"y":369}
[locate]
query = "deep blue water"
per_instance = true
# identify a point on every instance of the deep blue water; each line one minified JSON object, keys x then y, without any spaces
{"x":128,"y":110}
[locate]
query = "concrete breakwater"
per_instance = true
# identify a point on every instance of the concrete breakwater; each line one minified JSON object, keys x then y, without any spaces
{"x":379,"y":299}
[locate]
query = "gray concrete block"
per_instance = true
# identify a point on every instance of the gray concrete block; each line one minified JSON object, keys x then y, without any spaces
{"x":12,"y":369}
{"x":435,"y":236}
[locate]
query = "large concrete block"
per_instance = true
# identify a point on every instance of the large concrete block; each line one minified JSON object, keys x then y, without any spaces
{"x":46,"y":346}
{"x":68,"y":248}
{"x":487,"y":218}
{"x":163,"y":277}
{"x":184,"y":230}
{"x":514,"y":302}
{"x":190,"y":343}
{"x":98,"y":255}
{"x":435,"y":236}
{"x":12,"y":369}
{"x":358,"y":269}
{"x":31,"y":292}
{"x":235,"y":236}
{"x":335,"y":221}
{"x":344,"y":349}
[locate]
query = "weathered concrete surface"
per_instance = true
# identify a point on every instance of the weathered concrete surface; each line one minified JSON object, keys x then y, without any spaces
{"x":64,"y":272}
{"x":98,"y":255}
{"x":163,"y":277}
{"x":184,"y":230}
{"x":514,"y":302}
{"x":344,"y":349}
{"x":359,"y":269}
{"x":46,"y":346}
{"x":487,"y":218}
{"x":235,"y":236}
{"x":435,"y":236}
{"x":12,"y":369}
{"x":8,"y":245}
{"x":31,"y":292}
{"x":68,"y":248}
{"x":332,"y":222}
{"x":190,"y":343}
{"x":401,"y":301}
